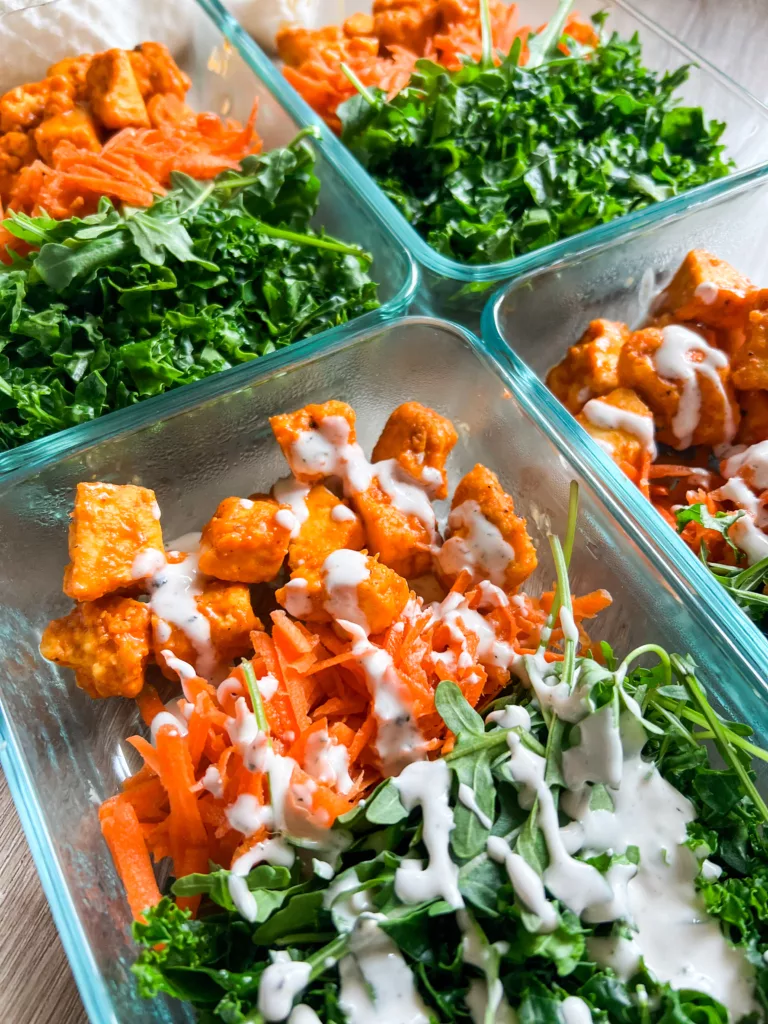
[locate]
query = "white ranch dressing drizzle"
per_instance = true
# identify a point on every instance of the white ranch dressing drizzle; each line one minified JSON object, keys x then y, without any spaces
{"x":341,"y":513}
{"x":174,"y":590}
{"x":182,"y":668}
{"x":281,"y":982}
{"x":510,"y":716}
{"x":327,"y":451}
{"x":377,"y":986}
{"x":469,"y":800}
{"x":343,"y":571}
{"x":286,"y":519}
{"x":167,"y":718}
{"x":753,"y":459}
{"x":247,"y":815}
{"x":740,"y":493}
{"x":483,"y":551}
{"x":427,"y":784}
{"x":611,"y":417}
{"x":477,"y":1004}
{"x":568,"y":625}
{"x":672,"y":362}
{"x":292,"y":492}
{"x":296,"y":598}
{"x":707,"y":292}
{"x":455,"y":612}
{"x":303,"y":1014}
{"x":678,"y":940}
{"x":752,"y":541}
{"x":271,"y":851}
{"x":398,"y":740}
{"x":147,"y":563}
{"x":528,"y":887}
{"x":575,"y":1011}
{"x":211,"y":781}
{"x":328,"y":761}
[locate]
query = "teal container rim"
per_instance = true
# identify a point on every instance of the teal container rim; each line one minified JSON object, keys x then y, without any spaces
{"x":632,"y":514}
{"x":39,"y":452}
{"x":636,"y":514}
{"x":489,"y":273}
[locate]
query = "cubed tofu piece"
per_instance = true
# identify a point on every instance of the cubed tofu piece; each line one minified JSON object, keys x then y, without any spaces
{"x":75,"y":126}
{"x":421,"y":441}
{"x":358,"y":25}
{"x":114,"y":93}
{"x":163,"y":73}
{"x":313,"y":438}
{"x":25,"y":106}
{"x":106,"y":643}
{"x":401,"y":539}
{"x":75,"y":69}
{"x":295,"y":44}
{"x":750,"y":364}
{"x":329,"y":526}
{"x":689,"y":406}
{"x":227,"y":607}
{"x":754,"y":417}
{"x":17,"y":149}
{"x":707,"y":290}
{"x":246,"y":541}
{"x":591,"y":367}
{"x":622,"y":424}
{"x":112,"y":525}
{"x":407,"y":23}
{"x":349,"y":586}
{"x":485,"y":536}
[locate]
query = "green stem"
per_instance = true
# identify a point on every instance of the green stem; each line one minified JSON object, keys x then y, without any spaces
{"x":638,"y":652}
{"x":352,"y":77}
{"x":722,"y":740}
{"x":563,"y":600}
{"x":486,"y":34}
{"x":334,"y":950}
{"x":497,"y":738}
{"x":567,"y":551}
{"x":256,"y":702}
{"x":540,"y":46}
{"x":310,"y":240}
{"x":696,"y":719}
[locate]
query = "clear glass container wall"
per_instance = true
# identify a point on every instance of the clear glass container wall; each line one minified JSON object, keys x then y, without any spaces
{"x":222,"y":82}
{"x":541,"y":314}
{"x":65,"y":752}
{"x":459,"y":290}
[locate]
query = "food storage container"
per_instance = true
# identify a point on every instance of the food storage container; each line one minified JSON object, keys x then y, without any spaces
{"x":455,"y":289}
{"x":539,"y":315}
{"x":64,"y":752}
{"x":222,"y":81}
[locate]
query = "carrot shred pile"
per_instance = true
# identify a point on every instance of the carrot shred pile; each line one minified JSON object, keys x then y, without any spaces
{"x":382,"y":50}
{"x":166,"y":809}
{"x":135,"y":165}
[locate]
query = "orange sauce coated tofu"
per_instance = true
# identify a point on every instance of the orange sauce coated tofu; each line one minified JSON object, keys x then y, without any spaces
{"x":420,"y":440}
{"x":227,"y":607}
{"x":481,"y":493}
{"x":629,"y":451}
{"x":754,"y":417}
{"x":408,"y":23}
{"x":245,"y":541}
{"x":322,"y":596}
{"x":312,"y":460}
{"x":163,"y":73}
{"x":111,"y":524}
{"x":707,"y":290}
{"x":591,"y":367}
{"x":25,"y":106}
{"x":106,"y":642}
{"x":714,"y":415}
{"x":75,"y":69}
{"x":330,"y":525}
{"x":750,"y":364}
{"x":114,"y":93}
{"x":75,"y":126}
{"x":401,"y":540}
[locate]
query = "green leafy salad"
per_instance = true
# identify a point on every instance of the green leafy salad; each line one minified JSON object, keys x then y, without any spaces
{"x":116,"y":307}
{"x":592,"y":849}
{"x":745,"y":584}
{"x":489,"y":162}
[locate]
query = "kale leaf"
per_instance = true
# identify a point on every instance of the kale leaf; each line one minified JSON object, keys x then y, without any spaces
{"x":114,"y":308}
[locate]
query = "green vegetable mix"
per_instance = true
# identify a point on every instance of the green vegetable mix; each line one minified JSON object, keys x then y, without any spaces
{"x":116,"y":307}
{"x":490,"y":162}
{"x":496,"y":948}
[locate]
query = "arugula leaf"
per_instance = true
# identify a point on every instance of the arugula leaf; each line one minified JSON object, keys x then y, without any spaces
{"x":720,"y":521}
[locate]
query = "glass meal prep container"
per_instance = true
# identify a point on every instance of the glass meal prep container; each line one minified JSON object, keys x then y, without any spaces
{"x":222,"y":82}
{"x":63,"y":752}
{"x":451,"y":288}
{"x":537,"y":318}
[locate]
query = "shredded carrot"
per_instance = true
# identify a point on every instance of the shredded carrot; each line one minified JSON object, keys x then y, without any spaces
{"x":124,"y":837}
